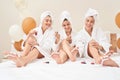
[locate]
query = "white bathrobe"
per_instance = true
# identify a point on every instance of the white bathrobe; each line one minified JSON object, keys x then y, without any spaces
{"x":64,"y":36}
{"x":46,"y":41}
{"x":98,"y":35}
{"x":66,"y":15}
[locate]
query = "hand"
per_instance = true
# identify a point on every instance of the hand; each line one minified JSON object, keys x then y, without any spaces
{"x":32,"y":32}
{"x":33,"y":43}
{"x":69,"y":39}
{"x":57,"y":35}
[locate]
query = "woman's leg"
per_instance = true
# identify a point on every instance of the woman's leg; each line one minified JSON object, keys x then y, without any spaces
{"x":93,"y":52}
{"x":67,"y":48}
{"x":101,"y":59}
{"x":56,"y":57}
{"x":107,"y":61}
{"x":28,"y":46}
{"x":60,"y":57}
{"x":24,"y":60}
{"x":26,"y":50}
{"x":74,"y":51}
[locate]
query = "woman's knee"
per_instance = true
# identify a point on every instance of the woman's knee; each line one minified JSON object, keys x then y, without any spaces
{"x":31,"y":39}
{"x":35,"y":52}
{"x":91,"y":49}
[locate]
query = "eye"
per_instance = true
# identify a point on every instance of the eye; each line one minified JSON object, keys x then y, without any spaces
{"x":92,"y":21}
{"x":64,"y":25}
{"x":50,"y":21}
{"x":46,"y":20}
{"x":87,"y":20}
{"x":68,"y":24}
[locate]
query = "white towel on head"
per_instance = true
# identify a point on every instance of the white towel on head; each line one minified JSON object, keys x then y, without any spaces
{"x":45,"y":14}
{"x":65,"y":15}
{"x":91,"y":12}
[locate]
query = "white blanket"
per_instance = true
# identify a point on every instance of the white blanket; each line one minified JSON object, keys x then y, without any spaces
{"x":39,"y":70}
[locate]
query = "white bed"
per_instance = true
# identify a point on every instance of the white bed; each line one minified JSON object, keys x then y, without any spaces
{"x":39,"y":70}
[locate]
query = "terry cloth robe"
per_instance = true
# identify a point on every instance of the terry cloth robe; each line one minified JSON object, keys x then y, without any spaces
{"x":97,"y":35}
{"x":46,"y":41}
{"x":66,"y":15}
{"x":64,"y":36}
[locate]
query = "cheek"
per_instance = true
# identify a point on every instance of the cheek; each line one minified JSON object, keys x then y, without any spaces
{"x":92,"y":24}
{"x":86,"y":23}
{"x":44,"y":23}
{"x":48,"y":24}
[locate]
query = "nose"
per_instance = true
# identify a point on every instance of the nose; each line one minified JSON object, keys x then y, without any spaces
{"x":89,"y":23}
{"x":66,"y":27}
{"x":49,"y":23}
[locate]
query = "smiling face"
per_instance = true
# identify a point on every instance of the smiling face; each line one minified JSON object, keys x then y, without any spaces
{"x":89,"y":23}
{"x":66,"y":25}
{"x":47,"y":22}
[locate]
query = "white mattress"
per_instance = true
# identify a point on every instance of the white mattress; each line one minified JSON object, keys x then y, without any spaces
{"x":39,"y":70}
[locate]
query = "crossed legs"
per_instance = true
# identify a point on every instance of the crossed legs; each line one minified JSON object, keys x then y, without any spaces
{"x":29,"y":53}
{"x":64,"y":53}
{"x":24,"y":60}
{"x":101,"y":59}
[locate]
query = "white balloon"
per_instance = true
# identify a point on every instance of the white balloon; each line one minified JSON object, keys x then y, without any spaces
{"x":20,"y":4}
{"x":16,"y":32}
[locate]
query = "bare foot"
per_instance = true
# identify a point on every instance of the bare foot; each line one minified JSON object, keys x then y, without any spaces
{"x":110,"y":62}
{"x":74,"y":52}
{"x":8,"y":53}
{"x":56,"y":57}
{"x":100,"y":59}
{"x":19,"y":62}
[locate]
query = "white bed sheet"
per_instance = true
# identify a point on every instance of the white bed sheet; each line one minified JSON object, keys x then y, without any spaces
{"x":38,"y":70}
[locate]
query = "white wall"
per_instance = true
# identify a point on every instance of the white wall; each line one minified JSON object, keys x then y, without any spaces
{"x":10,"y":15}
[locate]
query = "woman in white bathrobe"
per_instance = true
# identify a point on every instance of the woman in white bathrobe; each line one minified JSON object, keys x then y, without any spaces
{"x":39,"y":43}
{"x":94,"y":40}
{"x":65,"y":44}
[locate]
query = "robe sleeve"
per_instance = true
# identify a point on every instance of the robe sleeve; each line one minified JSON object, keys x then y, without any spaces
{"x":79,"y":42}
{"x":103,"y":41}
{"x":54,"y":46}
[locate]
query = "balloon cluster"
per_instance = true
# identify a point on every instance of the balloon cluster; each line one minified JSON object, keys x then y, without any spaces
{"x":28,"y":24}
{"x":16,"y":32}
{"x":117,"y":21}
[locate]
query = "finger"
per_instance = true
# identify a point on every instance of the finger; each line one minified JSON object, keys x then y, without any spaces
{"x":56,"y":32}
{"x":69,"y":36}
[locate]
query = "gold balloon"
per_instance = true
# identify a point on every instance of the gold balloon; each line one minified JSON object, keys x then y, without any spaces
{"x":28,"y":24}
{"x":117,"y":20}
{"x":18,"y":45}
{"x":118,"y":43}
